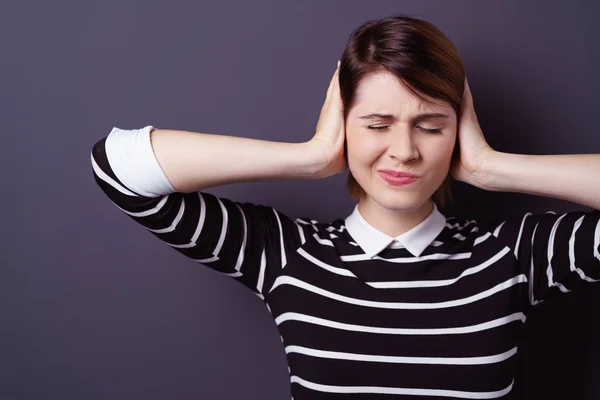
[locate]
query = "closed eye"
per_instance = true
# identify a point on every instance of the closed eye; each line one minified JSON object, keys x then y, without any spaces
{"x":430,"y":130}
{"x":383,"y":128}
{"x":378,"y":128}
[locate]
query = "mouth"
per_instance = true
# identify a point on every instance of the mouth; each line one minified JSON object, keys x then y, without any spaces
{"x":398,"y":174}
{"x":397,"y":178}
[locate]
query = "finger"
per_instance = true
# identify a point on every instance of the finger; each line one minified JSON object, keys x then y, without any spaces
{"x":335,"y":77}
{"x":336,"y":82}
{"x":467,"y":93}
{"x":336,"y":92}
{"x":331,"y":84}
{"x":468,"y":108}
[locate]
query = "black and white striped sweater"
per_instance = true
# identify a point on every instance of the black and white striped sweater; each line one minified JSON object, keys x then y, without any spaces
{"x":439,"y":317}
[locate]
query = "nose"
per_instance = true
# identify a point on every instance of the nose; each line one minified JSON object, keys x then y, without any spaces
{"x":402,"y":145}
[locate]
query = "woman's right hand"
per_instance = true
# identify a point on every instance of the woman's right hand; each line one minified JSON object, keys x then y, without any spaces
{"x":328,"y":143}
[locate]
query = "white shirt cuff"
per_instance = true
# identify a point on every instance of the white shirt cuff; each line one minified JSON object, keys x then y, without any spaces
{"x":133,"y":161}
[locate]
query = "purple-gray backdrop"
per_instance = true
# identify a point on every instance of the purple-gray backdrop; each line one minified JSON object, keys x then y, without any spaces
{"x":94,"y":307}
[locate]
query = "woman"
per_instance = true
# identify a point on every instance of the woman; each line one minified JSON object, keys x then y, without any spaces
{"x":396,"y":299}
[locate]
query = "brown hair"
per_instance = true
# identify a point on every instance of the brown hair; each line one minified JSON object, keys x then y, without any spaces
{"x":422,"y":58}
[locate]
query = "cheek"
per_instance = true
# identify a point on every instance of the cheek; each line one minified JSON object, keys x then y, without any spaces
{"x":362,"y":146}
{"x":440,"y":153}
{"x":361,"y":152}
{"x":441,"y":146}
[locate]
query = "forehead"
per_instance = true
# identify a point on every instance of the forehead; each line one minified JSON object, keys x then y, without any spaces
{"x":381,"y":91}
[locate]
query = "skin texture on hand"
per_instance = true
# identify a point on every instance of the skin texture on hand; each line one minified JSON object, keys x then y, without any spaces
{"x":328,"y":142}
{"x":474,"y":149}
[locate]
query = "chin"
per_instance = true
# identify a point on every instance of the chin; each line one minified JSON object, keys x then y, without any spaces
{"x":400,"y":201}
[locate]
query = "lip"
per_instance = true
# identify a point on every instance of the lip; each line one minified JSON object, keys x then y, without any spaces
{"x":396,"y":178}
{"x":398,"y":174}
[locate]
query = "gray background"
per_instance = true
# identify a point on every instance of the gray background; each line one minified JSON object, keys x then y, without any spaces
{"x":94,"y":307}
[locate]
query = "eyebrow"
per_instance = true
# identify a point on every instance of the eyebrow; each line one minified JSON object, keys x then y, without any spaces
{"x":417,"y":118}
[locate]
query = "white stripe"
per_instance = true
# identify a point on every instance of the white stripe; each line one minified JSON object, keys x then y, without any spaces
{"x":102,"y":175}
{"x":561,"y":287}
{"x":338,"y":355}
{"x":519,"y":236}
{"x":405,"y":284}
{"x":330,"y":268}
{"x":240,"y":259}
{"x":532,"y":299}
{"x":550,"y":252}
{"x":407,"y":260}
{"x":325,"y":242}
{"x":223,"y":227}
{"x":333,"y":228}
{"x":288,"y":280}
{"x":175,"y":221}
{"x":198,"y":230}
{"x":261,"y":272}
{"x":291,"y":316}
{"x":201,"y":219}
{"x":572,"y":265}
{"x":208,"y":260}
{"x":308,"y":223}
{"x":301,"y":233}
{"x":597,"y":241}
{"x":401,"y":391}
{"x":481,"y":239}
{"x":457,"y":225}
{"x":497,"y":230}
{"x":441,"y":282}
{"x":283,"y":256}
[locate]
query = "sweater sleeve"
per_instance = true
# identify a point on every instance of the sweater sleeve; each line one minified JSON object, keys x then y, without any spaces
{"x":556,"y":252}
{"x":248,"y":242}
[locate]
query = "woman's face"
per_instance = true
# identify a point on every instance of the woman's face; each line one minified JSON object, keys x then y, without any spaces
{"x":401,"y":144}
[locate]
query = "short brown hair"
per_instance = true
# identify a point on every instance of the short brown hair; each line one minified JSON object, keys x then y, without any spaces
{"x":422,"y":58}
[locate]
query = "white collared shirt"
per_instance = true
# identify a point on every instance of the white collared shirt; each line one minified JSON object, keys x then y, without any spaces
{"x":373,"y":241}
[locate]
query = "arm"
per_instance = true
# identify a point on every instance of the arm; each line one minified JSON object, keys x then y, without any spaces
{"x":156,"y":177}
{"x":249,"y":242}
{"x":571,"y":177}
{"x":195,"y":161}
{"x":556,"y":252}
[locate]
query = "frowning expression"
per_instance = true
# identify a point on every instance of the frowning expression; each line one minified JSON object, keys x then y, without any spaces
{"x":388,"y":128}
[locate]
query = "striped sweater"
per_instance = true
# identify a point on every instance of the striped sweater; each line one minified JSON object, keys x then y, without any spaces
{"x":444,"y":323}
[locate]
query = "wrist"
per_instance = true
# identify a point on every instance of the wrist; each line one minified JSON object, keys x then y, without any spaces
{"x":316,"y":155}
{"x":314,"y":159}
{"x":485,"y":175}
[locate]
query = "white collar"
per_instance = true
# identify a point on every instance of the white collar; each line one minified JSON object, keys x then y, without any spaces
{"x":373,"y":241}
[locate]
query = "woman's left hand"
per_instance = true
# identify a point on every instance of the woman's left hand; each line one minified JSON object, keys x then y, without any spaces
{"x":474,"y":150}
